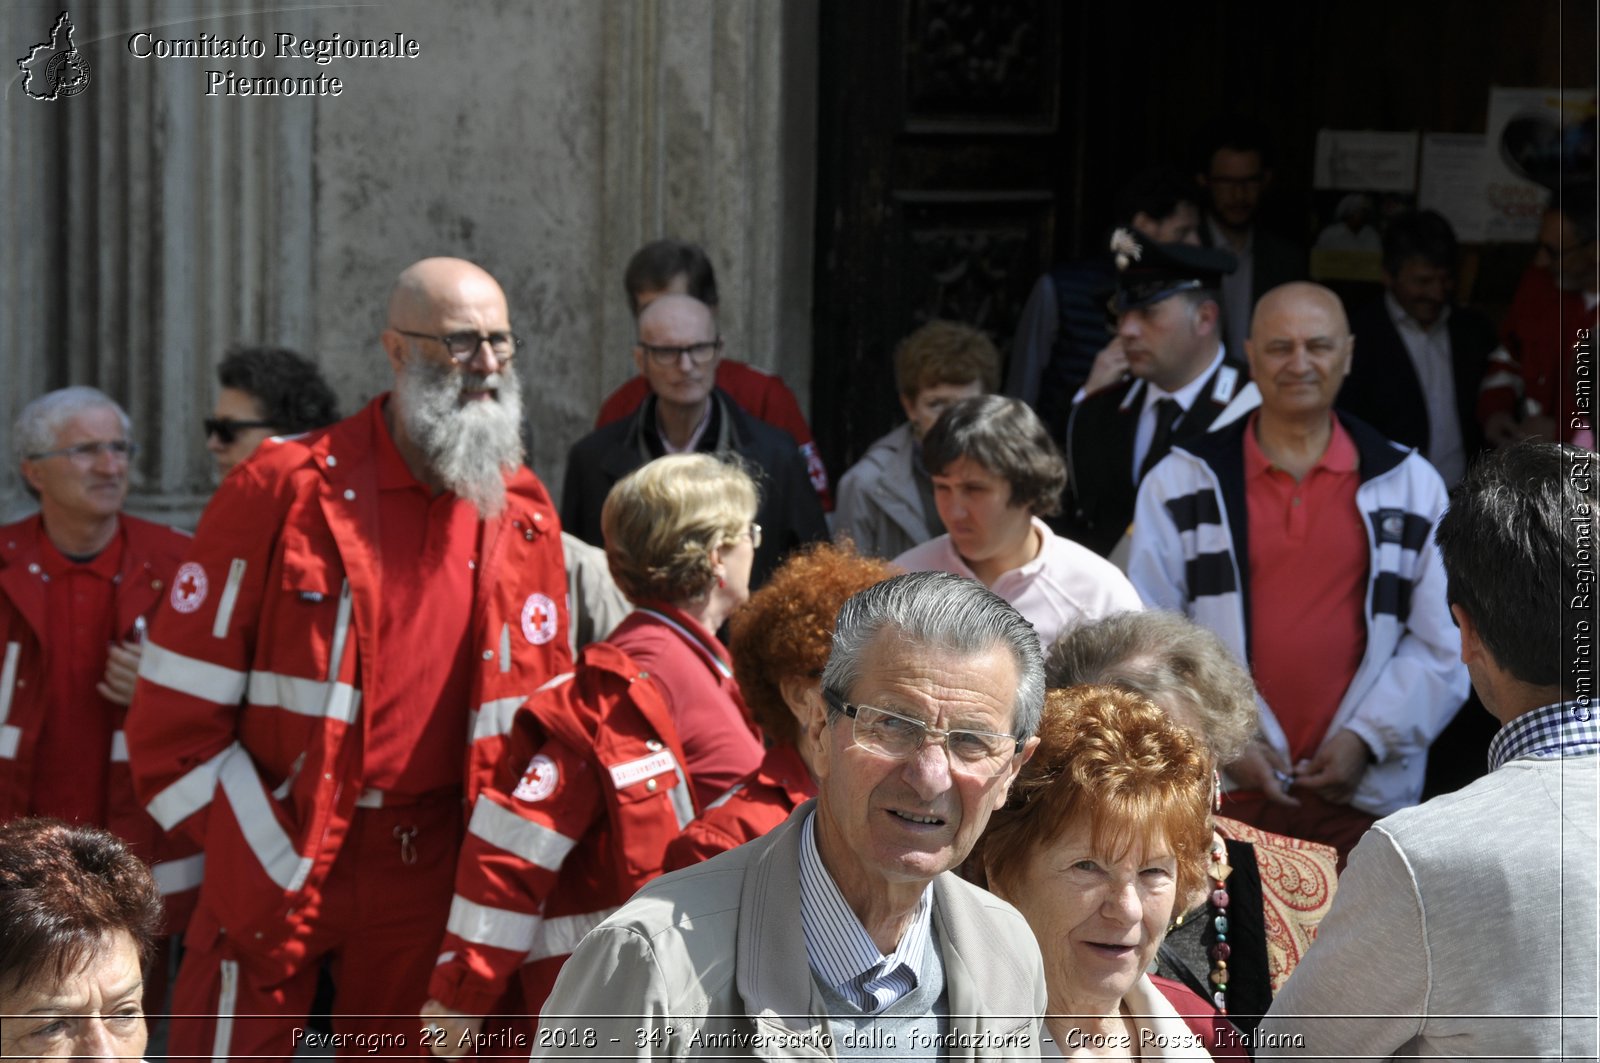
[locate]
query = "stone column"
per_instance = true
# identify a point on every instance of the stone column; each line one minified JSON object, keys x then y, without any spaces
{"x":149,"y":225}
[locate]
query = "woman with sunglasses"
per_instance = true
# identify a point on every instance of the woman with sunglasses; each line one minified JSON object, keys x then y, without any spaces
{"x":266,"y":391}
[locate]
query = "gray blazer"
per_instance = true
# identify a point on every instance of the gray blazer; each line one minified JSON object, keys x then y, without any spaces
{"x":711,"y":960}
{"x":879,"y":506}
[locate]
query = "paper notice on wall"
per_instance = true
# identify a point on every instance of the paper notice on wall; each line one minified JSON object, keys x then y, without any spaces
{"x":1451,"y":182}
{"x":1523,"y":125}
{"x":1364,"y":160}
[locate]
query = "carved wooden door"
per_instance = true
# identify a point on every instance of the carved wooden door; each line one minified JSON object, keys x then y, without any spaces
{"x":942,"y":162}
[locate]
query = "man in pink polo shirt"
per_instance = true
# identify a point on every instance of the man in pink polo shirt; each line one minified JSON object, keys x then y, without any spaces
{"x":1304,"y":539}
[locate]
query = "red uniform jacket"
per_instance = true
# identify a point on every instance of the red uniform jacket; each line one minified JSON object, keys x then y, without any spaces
{"x":246,"y":728}
{"x":578,"y":818}
{"x":149,"y":558}
{"x":762,"y":395}
{"x":1537,"y":363}
{"x":754,"y":806}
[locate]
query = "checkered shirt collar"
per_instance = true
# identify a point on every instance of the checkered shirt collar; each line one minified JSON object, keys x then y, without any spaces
{"x":1567,"y":729}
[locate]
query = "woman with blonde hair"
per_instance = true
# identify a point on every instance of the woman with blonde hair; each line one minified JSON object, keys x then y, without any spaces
{"x":681,"y":536}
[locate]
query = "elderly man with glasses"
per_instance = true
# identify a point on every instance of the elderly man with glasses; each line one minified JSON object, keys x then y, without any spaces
{"x":78,"y":582}
{"x":844,"y":932}
{"x":361,"y":609}
{"x":677,"y":353}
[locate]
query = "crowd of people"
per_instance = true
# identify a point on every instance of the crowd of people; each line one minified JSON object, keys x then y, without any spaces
{"x":1092,"y":722}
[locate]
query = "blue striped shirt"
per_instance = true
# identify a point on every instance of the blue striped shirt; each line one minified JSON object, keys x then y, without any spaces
{"x":842,"y":953}
{"x":1567,"y":729}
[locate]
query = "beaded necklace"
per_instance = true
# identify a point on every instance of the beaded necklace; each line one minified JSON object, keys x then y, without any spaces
{"x":1217,"y":909}
{"x":1219,"y":872}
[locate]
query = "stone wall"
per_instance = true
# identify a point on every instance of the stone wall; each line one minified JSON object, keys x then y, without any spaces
{"x":149,"y":225}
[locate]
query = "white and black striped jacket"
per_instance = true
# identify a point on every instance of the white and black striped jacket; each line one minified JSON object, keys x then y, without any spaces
{"x":1190,"y":555}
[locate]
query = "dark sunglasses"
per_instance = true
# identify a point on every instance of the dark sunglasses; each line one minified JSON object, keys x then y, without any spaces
{"x":226,"y":428}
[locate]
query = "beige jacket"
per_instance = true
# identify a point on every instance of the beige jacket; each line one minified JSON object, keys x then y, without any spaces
{"x":711,"y":961}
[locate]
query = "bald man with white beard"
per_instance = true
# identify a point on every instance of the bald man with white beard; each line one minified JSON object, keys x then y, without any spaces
{"x":361,"y":609}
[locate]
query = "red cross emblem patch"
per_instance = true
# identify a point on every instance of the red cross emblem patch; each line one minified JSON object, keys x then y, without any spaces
{"x":539,"y":781}
{"x":538,"y":619}
{"x":189,"y":587}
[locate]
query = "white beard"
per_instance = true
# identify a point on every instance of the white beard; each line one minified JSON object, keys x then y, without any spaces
{"x":470,"y":448}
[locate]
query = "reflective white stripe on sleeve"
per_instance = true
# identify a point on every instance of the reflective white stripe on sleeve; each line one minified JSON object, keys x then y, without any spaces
{"x":230,"y":598}
{"x":493,"y":718}
{"x":682,"y":806}
{"x":8,"y":679}
{"x":192,"y":792}
{"x":559,"y":936}
{"x":175,"y":876}
{"x":304,"y":697}
{"x":494,"y":927}
{"x":201,"y":679}
{"x":533,"y":842}
{"x":119,"y":747}
{"x":259,"y":825}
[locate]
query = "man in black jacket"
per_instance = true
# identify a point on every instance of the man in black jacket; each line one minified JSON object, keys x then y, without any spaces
{"x":1182,"y":383}
{"x":677,"y":354}
{"x":1416,"y":371}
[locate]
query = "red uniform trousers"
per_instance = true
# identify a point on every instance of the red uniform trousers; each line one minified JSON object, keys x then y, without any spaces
{"x":379,"y":924}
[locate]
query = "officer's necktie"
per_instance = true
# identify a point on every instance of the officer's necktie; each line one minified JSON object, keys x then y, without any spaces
{"x":1167,"y":413}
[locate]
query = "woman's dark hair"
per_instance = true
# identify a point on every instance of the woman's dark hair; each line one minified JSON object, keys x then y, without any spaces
{"x":1007,"y":438}
{"x":287,"y":386}
{"x":64,"y":889}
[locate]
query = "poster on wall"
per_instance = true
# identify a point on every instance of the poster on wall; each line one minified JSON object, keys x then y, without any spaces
{"x":1526,"y":132}
{"x":1361,"y":177}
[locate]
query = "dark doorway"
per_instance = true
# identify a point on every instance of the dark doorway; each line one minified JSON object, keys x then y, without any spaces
{"x":942,"y":155}
{"x":964,"y":146}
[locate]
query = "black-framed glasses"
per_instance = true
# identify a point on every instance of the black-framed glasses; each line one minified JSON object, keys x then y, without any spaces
{"x":226,"y":429}
{"x":981,"y":754}
{"x":463,"y":345}
{"x":85,"y":453}
{"x":699,"y":353}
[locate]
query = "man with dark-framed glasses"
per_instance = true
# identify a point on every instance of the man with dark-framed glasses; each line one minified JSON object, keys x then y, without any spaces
{"x":934,"y":689}
{"x":677,"y":352}
{"x":360,"y":609}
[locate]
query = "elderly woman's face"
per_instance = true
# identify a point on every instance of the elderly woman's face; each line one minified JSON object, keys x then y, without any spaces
{"x":95,"y":1012}
{"x":1098,"y":920}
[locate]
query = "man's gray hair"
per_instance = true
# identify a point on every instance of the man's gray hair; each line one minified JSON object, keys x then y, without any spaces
{"x":40,"y":420}
{"x":945,"y":611}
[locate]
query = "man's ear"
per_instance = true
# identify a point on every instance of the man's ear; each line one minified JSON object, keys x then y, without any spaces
{"x":1028,"y":749}
{"x":803,"y":698}
{"x":638,"y":358}
{"x":30,"y":475}
{"x":394,"y":345}
{"x":1472,"y":647}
